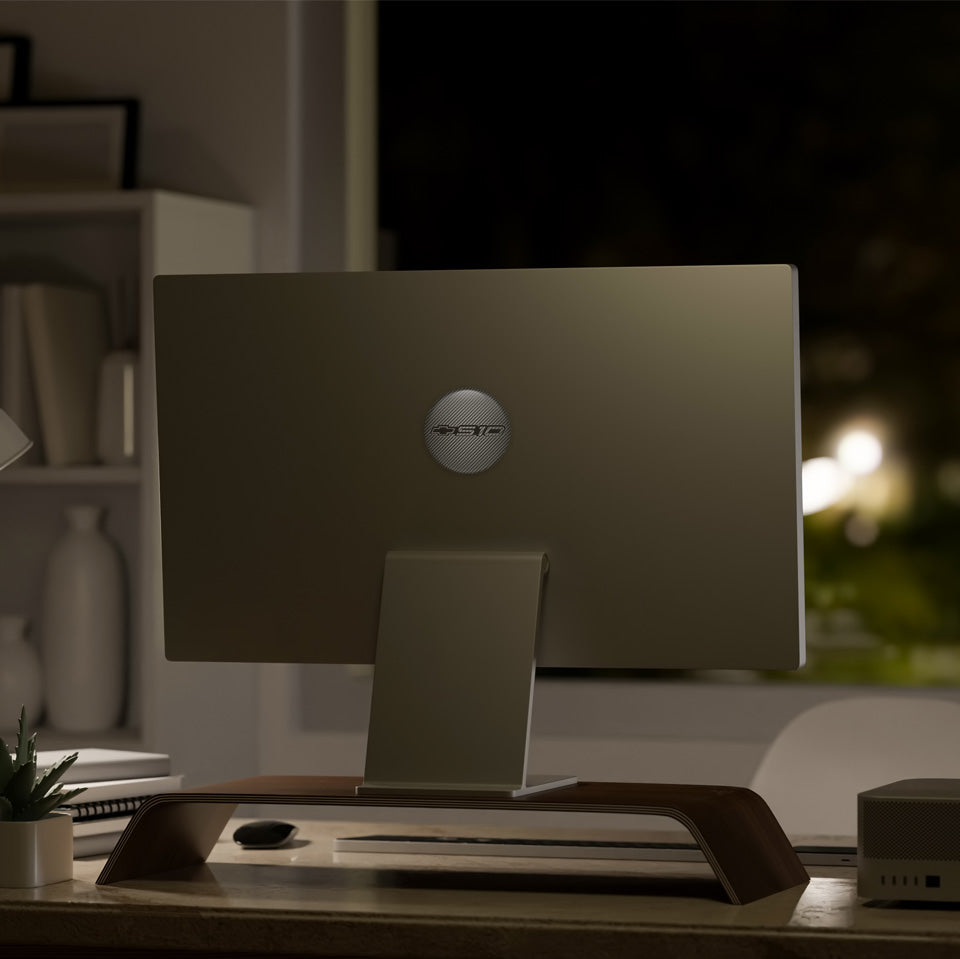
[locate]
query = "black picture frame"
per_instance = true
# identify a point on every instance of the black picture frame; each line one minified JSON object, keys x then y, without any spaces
{"x":15,"y":53}
{"x":68,"y":145}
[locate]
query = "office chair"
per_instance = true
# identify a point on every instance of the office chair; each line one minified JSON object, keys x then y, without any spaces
{"x":814,"y":769}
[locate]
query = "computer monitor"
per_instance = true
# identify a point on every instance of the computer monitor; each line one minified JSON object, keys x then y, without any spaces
{"x":459,"y":475}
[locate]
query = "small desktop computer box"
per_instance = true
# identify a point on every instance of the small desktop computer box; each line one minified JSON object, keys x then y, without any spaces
{"x":908,"y":841}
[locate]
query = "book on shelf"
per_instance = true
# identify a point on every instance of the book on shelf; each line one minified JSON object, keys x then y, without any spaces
{"x":95,"y":765}
{"x":67,"y":339}
{"x":17,"y":394}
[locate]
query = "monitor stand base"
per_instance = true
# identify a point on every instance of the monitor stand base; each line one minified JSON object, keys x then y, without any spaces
{"x":534,"y":785}
{"x":739,"y":835}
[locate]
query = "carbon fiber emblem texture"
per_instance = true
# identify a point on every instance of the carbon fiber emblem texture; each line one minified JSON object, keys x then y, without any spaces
{"x":467,"y":431}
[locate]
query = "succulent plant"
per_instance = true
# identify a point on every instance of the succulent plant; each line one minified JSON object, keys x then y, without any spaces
{"x":24,"y":796}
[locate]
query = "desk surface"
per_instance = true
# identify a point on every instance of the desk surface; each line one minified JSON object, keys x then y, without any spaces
{"x":307,"y":900}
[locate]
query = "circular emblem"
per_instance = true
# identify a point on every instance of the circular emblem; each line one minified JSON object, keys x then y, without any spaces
{"x":467,"y":431}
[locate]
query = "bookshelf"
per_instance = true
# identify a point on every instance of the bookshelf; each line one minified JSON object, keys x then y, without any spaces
{"x":120,"y":240}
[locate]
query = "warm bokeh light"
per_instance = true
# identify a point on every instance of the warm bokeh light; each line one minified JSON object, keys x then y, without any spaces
{"x":859,"y":452}
{"x":825,"y":482}
{"x":861,"y":530}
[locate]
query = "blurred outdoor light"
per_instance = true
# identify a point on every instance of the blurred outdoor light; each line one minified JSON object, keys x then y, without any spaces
{"x":825,"y":482}
{"x":859,"y":452}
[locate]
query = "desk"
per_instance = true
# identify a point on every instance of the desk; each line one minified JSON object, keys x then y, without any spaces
{"x":305,"y":900}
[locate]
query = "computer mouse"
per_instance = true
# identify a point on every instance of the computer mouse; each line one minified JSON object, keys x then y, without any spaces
{"x":264,"y":834}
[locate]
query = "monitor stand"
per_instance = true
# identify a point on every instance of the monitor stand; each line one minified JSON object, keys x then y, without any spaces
{"x":453,"y":682}
{"x":457,"y":634}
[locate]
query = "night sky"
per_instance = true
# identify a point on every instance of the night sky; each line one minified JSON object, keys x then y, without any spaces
{"x":550,"y":133}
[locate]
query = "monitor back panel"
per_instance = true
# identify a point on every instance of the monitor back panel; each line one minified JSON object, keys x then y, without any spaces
{"x":653,"y":456}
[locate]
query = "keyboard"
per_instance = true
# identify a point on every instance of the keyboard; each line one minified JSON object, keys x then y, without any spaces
{"x":809,"y":855}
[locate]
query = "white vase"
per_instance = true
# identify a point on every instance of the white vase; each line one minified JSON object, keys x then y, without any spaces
{"x":36,"y":853}
{"x":21,"y":682}
{"x":83,"y":627}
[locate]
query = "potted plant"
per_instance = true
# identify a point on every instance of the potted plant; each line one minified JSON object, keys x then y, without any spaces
{"x":36,"y":841}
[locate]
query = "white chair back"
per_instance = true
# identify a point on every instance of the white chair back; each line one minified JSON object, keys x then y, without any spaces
{"x":814,"y":769}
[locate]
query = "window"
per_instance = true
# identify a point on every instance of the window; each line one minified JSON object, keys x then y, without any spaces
{"x":564,"y":134}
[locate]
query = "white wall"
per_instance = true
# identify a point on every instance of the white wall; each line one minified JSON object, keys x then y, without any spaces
{"x":247,"y":100}
{"x":266,"y":102}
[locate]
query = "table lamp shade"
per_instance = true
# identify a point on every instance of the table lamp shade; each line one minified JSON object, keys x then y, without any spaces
{"x":13,"y":443}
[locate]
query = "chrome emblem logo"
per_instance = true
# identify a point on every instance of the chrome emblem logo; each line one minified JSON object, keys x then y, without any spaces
{"x":467,"y":431}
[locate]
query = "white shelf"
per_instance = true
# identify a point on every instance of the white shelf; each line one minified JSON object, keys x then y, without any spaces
{"x":71,"y":476}
{"x":119,"y":241}
{"x":93,"y":203}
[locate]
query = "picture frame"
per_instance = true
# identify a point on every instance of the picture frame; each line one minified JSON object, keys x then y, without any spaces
{"x":56,"y":146}
{"x":15,"y":54}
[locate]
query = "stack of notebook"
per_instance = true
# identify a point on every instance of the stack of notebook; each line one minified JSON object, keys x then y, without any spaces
{"x":116,"y":782}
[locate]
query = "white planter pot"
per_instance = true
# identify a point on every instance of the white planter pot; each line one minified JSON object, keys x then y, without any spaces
{"x":36,"y":853}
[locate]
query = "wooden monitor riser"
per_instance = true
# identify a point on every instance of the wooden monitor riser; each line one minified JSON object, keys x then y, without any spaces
{"x":739,"y":835}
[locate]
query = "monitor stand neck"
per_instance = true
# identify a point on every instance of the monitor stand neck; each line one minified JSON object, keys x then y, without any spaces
{"x":453,"y":683}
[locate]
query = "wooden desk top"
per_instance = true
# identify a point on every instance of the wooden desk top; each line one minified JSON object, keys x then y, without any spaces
{"x":305,"y":900}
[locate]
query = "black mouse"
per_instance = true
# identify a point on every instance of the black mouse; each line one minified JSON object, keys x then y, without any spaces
{"x":264,"y":834}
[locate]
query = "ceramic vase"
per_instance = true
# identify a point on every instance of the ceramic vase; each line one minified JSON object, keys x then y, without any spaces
{"x":36,"y":853}
{"x":21,"y":682}
{"x":83,"y":627}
